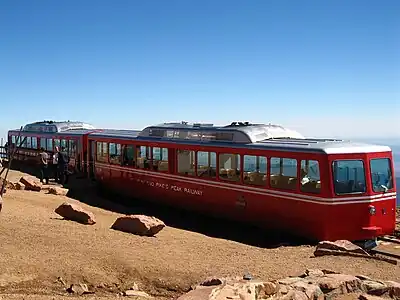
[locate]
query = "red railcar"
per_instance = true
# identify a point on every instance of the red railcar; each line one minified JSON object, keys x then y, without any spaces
{"x":323,"y":189}
{"x":263,"y":174}
{"x":50,"y":134}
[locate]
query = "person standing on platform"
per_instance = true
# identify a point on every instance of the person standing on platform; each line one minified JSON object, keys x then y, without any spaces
{"x":43,"y":161}
{"x":55,"y":164}
{"x":63,"y":160}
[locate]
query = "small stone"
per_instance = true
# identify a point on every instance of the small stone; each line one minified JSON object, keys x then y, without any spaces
{"x":61,"y":280}
{"x":19,"y":186}
{"x":58,"y":191}
{"x":374,"y":288}
{"x":247,"y":277}
{"x":134,"y":287}
{"x":132,"y":293}
{"x":80,"y":289}
{"x":314,"y":272}
{"x":211,"y":282}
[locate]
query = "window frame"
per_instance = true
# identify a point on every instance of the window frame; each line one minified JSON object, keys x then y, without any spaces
{"x":258,"y":158}
{"x":240,"y":163}
{"x":117,"y":160}
{"x":281,"y":169}
{"x":391,"y":170}
{"x":333,"y":176}
{"x":320,"y":177}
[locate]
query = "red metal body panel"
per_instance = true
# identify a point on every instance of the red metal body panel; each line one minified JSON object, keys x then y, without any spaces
{"x":325,"y":216}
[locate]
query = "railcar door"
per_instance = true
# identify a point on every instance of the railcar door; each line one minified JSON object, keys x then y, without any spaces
{"x":92,"y":149}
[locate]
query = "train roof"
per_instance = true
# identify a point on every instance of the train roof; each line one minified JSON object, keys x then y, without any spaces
{"x":236,"y":132}
{"x":56,"y":127}
{"x":116,"y":133}
{"x":292,"y":144}
{"x":327,"y":146}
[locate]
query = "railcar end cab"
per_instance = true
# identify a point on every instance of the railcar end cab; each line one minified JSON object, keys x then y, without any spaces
{"x":364,"y":189}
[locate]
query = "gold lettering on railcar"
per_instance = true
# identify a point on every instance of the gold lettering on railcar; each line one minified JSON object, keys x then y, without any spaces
{"x":172,"y":187}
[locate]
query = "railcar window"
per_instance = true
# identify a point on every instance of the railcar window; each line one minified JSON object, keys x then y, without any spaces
{"x":49,"y":145}
{"x":102,"y":152}
{"x":283,"y":173}
{"x":206,"y":164}
{"x":128,"y":155}
{"x":349,"y":176}
{"x":115,"y":153}
{"x":28,"y":142}
{"x":105,"y":151}
{"x":160,"y":159}
{"x":381,"y":174}
{"x":310,"y":178}
{"x":143,"y":160}
{"x":23,"y":145}
{"x":229,"y":166}
{"x":43,"y":143}
{"x":186,"y":162}
{"x":13,"y":139}
{"x":99,"y":151}
{"x":72,"y":148}
{"x":255,"y":170}
{"x":34,"y":142}
{"x":64,"y":143}
{"x":57,"y":143}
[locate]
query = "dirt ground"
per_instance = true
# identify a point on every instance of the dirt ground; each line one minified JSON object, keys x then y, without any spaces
{"x":37,"y":247}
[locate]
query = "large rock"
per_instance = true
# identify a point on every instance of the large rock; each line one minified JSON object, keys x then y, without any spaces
{"x":312,"y":285}
{"x":76,"y":213}
{"x":31,"y":183}
{"x":139,"y":224}
{"x":325,"y":247}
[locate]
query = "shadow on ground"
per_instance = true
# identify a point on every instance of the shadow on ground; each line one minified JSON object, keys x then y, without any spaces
{"x":86,"y":191}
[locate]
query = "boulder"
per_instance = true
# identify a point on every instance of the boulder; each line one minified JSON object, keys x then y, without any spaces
{"x":325,"y":247}
{"x":55,"y":190}
{"x":31,"y":183}
{"x":139,"y":225}
{"x":76,"y":213}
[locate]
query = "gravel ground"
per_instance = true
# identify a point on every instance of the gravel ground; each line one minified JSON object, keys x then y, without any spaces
{"x":37,"y":247}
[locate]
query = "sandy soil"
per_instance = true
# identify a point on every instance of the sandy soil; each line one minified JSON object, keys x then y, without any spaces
{"x":37,"y":247}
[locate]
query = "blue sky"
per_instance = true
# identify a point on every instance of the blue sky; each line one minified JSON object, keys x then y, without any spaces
{"x":325,"y":68}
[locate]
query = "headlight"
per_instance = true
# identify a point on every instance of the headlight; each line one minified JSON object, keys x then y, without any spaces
{"x":372,"y":210}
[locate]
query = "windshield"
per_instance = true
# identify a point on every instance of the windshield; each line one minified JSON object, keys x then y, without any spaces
{"x":349,"y":176}
{"x":381,"y":174}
